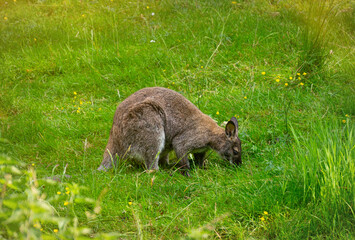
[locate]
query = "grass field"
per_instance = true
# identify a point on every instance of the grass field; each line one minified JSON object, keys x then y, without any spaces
{"x":285,"y":69}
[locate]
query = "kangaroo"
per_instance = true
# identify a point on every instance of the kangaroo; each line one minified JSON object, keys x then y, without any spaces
{"x":154,"y":121}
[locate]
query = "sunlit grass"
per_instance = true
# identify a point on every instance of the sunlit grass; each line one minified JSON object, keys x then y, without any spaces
{"x":325,"y":165}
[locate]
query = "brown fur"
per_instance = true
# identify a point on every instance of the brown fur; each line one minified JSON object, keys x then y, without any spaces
{"x":154,"y":121}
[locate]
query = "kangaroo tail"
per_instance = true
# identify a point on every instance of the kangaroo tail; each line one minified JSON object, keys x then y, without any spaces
{"x":109,"y":158}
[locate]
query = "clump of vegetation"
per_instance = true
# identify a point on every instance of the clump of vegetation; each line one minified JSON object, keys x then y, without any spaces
{"x":27,"y":213}
{"x":320,"y":21}
{"x":325,"y":166}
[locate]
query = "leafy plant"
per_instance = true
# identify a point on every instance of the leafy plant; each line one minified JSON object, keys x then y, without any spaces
{"x":27,"y":213}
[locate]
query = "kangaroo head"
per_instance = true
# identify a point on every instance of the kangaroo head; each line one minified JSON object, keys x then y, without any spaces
{"x":231,"y":148}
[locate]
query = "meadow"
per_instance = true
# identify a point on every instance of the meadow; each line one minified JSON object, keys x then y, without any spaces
{"x":284,"y":69}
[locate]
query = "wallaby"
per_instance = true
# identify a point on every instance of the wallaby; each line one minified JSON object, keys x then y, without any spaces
{"x":154,"y":121}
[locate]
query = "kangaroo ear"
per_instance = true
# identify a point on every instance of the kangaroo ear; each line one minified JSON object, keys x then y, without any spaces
{"x":232,"y":128}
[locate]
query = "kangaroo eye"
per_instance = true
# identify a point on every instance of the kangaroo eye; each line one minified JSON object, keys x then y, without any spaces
{"x":235,"y":152}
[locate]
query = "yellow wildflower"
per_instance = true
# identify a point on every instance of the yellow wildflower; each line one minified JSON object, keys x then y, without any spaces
{"x":5,"y":18}
{"x":298,"y":74}
{"x":262,"y":219}
{"x":301,"y":83}
{"x":67,"y":192}
{"x":83,"y":15}
{"x":130,"y":203}
{"x":147,"y":7}
{"x":286,"y":84}
{"x":299,"y":78}
{"x":33,"y":164}
{"x":75,"y":93}
{"x":99,"y":109}
{"x":78,"y":111}
{"x":263,"y":73}
{"x":304,"y":74}
{"x":35,"y":39}
{"x":346,"y":115}
{"x":234,"y":2}
{"x":290,"y":78}
{"x":41,"y":229}
{"x":66,"y":203}
{"x":59,"y":193}
{"x":201,"y":66}
{"x":217,"y":113}
{"x":245,"y":97}
{"x":67,"y":189}
{"x":344,"y":121}
{"x":266,"y":213}
{"x":277,"y":80}
{"x":55,"y":230}
{"x":81,"y":102}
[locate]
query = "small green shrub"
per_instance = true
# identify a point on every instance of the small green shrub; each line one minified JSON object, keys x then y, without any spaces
{"x":27,"y":213}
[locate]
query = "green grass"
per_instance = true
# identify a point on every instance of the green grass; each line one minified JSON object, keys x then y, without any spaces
{"x":298,"y":155}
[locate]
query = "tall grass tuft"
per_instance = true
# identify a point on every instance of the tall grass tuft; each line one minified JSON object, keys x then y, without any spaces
{"x":324,"y":163}
{"x":318,"y":18}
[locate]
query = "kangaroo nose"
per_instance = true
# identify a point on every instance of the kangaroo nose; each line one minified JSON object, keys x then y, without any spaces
{"x":238,"y":162}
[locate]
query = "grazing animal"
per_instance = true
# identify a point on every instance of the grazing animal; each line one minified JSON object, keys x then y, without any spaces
{"x":154,"y":121}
